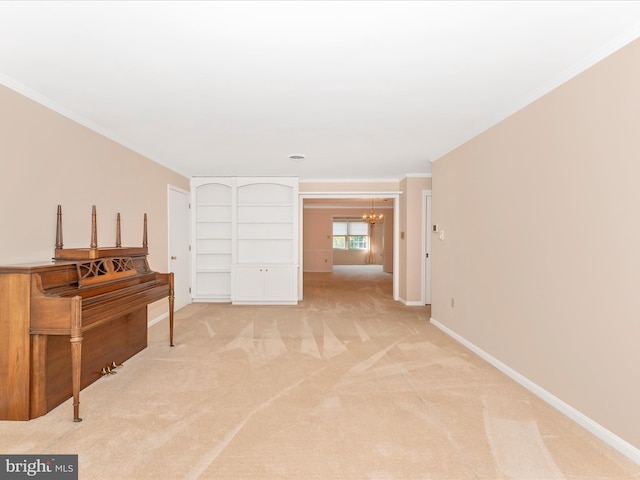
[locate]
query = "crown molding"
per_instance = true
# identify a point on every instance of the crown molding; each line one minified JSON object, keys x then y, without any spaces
{"x":418,"y":175}
{"x":365,"y":180}
{"x":46,"y":102}
{"x":56,"y":107}
{"x":574,"y":70}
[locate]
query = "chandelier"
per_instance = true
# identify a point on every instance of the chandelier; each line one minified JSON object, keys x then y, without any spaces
{"x":372,"y":218}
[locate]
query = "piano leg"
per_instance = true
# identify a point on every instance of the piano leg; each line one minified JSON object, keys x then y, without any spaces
{"x":171,"y":302}
{"x":76,"y":354}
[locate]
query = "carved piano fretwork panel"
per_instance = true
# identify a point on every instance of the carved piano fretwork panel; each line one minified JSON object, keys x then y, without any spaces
{"x":105,"y":269}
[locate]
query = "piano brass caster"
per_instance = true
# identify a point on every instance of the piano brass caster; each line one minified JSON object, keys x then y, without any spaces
{"x":110,"y":369}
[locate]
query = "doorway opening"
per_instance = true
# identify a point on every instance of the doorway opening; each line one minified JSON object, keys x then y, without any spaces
{"x":316,"y":247}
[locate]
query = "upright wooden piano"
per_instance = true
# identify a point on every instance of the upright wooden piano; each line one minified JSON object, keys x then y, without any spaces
{"x":67,"y":322}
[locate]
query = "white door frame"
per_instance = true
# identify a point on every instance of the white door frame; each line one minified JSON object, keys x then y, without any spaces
{"x":427,"y":222}
{"x":366,"y":195}
{"x":187,"y":253}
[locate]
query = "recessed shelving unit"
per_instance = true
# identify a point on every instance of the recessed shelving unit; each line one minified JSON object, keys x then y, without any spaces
{"x":212,"y":209}
{"x":246,"y":236}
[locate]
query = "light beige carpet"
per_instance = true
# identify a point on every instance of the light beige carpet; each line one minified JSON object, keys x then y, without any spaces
{"x":347,"y":385}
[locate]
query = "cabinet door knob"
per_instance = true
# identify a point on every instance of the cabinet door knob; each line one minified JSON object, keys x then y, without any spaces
{"x":174,"y":258}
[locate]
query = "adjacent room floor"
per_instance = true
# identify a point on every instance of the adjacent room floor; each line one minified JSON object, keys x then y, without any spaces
{"x":347,"y":385}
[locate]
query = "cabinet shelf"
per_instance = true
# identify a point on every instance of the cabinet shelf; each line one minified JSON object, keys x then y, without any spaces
{"x":208,"y":237}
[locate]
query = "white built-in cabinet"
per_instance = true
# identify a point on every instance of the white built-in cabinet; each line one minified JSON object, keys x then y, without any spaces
{"x":246,"y":240}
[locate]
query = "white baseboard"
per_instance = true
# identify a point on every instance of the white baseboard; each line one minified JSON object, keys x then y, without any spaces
{"x":158,"y":319}
{"x":410,"y":303}
{"x":595,"y":428}
{"x":414,"y":304}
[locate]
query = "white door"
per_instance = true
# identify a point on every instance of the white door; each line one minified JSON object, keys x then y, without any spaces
{"x":427,"y":249}
{"x":179,"y":254}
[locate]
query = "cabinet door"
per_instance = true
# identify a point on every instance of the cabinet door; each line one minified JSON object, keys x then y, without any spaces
{"x":249,"y":284}
{"x":280,"y":284}
{"x":269,"y":284}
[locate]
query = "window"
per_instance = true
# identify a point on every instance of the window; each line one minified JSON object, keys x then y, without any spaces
{"x":350,"y":234}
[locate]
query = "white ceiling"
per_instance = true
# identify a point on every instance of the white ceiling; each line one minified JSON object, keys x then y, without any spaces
{"x":366,"y":90}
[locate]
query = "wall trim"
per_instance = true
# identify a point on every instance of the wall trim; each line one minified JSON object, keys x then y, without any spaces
{"x":74,"y":116}
{"x":45,"y":101}
{"x":158,"y":319}
{"x":607,"y":436}
{"x":574,"y":70}
{"x":419,"y":175}
{"x":412,"y":303}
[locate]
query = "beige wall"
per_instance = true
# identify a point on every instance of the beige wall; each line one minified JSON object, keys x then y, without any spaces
{"x":47,"y":159}
{"x":337,"y":187}
{"x":542,"y":242}
{"x":317,"y":255}
{"x":387,"y":242}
